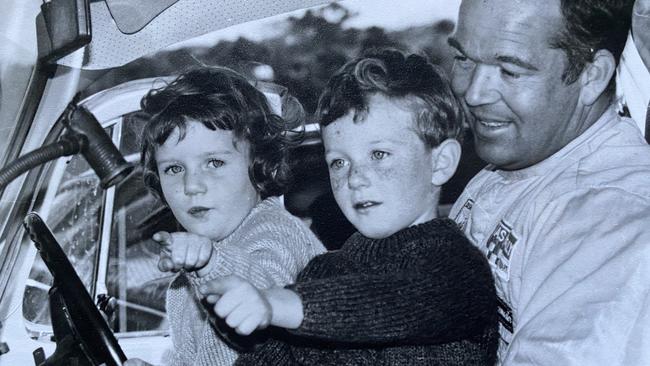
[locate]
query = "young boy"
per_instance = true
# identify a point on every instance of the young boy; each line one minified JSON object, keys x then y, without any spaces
{"x":408,"y":288}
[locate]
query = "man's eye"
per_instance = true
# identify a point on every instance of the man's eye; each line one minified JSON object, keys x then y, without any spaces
{"x":173,"y":169}
{"x":462,"y":61}
{"x":337,"y":164}
{"x":510,"y":74}
{"x":379,"y":155}
{"x":215,"y":163}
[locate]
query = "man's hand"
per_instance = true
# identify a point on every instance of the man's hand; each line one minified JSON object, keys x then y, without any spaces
{"x":244,"y":307}
{"x":186,"y":251}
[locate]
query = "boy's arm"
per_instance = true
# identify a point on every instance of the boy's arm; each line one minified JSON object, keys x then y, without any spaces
{"x":272,"y":352}
{"x":436,"y":302}
{"x":435,"y":305}
{"x":447,"y":294}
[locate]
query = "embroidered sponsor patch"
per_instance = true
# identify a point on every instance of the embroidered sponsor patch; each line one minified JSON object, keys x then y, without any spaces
{"x":462,"y":217}
{"x":499,"y":248}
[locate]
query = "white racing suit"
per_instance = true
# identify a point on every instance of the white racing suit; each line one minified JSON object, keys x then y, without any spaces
{"x":568,"y":240}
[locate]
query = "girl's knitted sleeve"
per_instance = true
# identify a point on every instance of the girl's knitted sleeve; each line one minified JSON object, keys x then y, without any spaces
{"x":270,"y":251}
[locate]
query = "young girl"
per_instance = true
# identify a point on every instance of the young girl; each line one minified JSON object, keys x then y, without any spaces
{"x":215,"y":153}
{"x":408,"y":288}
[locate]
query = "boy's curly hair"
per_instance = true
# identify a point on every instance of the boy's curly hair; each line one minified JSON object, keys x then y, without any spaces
{"x":437,"y":113}
{"x":219,"y":98}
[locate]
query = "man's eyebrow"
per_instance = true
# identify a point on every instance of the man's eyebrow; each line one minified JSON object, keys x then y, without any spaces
{"x":517,"y":62}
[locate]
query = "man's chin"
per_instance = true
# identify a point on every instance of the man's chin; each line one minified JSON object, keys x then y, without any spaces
{"x":495,"y":154}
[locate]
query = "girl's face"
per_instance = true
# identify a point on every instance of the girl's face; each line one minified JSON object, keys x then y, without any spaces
{"x":204,"y":179}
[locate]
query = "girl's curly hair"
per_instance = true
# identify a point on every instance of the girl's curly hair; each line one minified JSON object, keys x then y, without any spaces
{"x":220,"y":98}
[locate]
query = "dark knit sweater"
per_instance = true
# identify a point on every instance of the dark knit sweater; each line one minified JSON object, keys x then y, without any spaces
{"x":423,"y":296}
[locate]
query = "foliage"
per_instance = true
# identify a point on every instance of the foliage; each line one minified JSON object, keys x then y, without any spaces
{"x":303,"y":56}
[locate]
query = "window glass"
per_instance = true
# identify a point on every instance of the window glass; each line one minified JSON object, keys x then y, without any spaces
{"x":17,"y":59}
{"x":133,"y":275}
{"x":74,"y":218}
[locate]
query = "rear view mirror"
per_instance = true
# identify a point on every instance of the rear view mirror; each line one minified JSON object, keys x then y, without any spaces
{"x":63,"y":26}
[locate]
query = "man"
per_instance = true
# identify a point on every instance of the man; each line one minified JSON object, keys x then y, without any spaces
{"x":562,"y":210}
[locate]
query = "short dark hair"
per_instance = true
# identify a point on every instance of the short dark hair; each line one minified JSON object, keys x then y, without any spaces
{"x":589,"y":26}
{"x":437,"y":113}
{"x":219,"y":98}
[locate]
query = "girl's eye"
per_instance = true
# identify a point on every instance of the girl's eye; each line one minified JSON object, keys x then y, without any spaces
{"x":337,"y":164}
{"x":379,"y":155}
{"x":215,"y":163}
{"x":173,"y":169}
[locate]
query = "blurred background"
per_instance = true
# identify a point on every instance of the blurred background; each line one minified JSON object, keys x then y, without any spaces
{"x":301,"y":50}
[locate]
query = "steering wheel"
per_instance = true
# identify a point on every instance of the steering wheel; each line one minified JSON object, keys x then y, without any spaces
{"x":79,"y":328}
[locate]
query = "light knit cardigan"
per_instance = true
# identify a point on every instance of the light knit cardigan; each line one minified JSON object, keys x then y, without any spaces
{"x":270,"y":247}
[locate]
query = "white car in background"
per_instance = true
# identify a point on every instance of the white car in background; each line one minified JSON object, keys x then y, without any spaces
{"x":128,"y":47}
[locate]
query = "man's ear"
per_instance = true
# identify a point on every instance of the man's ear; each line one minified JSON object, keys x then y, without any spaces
{"x":596,"y":76}
{"x":445,"y":158}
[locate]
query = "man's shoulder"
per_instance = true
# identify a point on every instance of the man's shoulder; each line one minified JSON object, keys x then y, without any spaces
{"x":614,"y":159}
{"x":621,"y":160}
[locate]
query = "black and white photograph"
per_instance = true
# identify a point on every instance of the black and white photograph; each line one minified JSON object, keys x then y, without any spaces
{"x":354,"y":182}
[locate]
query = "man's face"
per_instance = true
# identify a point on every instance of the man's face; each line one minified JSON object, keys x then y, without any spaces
{"x":511,"y":80}
{"x":380,"y":169}
{"x":204,"y":179}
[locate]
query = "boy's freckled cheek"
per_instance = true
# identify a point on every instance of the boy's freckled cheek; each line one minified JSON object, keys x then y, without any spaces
{"x":337,"y":182}
{"x":386,"y":173}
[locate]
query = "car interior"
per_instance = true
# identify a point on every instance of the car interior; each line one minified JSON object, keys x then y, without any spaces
{"x":116,"y":52}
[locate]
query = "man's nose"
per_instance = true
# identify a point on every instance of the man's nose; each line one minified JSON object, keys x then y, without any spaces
{"x":194,"y":183}
{"x":482,"y":87}
{"x":358,"y":176}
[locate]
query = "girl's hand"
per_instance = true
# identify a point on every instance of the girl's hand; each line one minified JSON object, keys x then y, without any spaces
{"x":240,"y":304}
{"x":187,"y":251}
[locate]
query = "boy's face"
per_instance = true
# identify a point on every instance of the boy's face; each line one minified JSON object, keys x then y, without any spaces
{"x":380,"y":169}
{"x":205,"y":181}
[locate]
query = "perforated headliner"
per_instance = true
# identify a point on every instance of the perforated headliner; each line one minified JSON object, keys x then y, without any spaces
{"x":183,"y":20}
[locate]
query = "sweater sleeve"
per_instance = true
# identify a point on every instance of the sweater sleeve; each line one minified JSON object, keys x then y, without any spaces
{"x":272,"y":352}
{"x":271,"y":251}
{"x":449,"y":295}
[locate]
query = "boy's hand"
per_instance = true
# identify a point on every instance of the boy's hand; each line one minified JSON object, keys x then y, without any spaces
{"x":244,"y":307}
{"x":186,"y":251}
